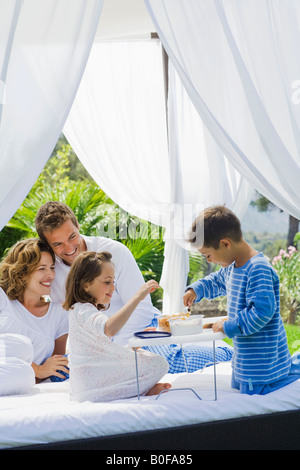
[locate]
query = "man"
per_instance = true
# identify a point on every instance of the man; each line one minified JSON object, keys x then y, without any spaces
{"x":57,"y":225}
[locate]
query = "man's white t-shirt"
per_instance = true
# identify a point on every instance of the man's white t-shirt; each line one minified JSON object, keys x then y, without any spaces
{"x":128,"y":279}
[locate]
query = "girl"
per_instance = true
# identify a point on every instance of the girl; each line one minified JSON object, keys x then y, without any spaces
{"x":99,"y":369}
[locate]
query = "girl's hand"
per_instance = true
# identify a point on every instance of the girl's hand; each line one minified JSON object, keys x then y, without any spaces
{"x":147,"y":288}
{"x":118,"y":319}
{"x":51,"y":367}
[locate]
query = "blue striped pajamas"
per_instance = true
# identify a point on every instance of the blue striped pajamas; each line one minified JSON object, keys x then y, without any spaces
{"x":261,"y":355}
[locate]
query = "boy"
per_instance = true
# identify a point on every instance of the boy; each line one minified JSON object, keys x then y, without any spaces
{"x":261,"y":361}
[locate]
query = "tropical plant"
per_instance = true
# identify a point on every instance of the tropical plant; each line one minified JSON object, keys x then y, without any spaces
{"x":97,"y":215}
{"x":297,"y":240}
{"x":198,"y":266}
{"x":287,"y":265}
{"x":86,"y":199}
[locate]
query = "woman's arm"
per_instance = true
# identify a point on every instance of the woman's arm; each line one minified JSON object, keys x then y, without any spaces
{"x":51,"y":367}
{"x":54,"y":363}
{"x":60,"y":345}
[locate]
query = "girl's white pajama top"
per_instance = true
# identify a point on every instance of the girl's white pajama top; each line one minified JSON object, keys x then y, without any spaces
{"x":101,"y":370}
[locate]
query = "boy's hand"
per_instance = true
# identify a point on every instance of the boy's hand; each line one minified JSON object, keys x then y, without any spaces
{"x":189,"y":298}
{"x":218,"y":326}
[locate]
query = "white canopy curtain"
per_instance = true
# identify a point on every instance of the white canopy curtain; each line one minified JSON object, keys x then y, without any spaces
{"x":118,"y":128}
{"x":44,"y":47}
{"x":240,"y":64}
{"x":200,"y":176}
{"x":117,"y":125}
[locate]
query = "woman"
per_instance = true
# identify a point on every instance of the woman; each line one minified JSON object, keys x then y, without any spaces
{"x":26,"y":274}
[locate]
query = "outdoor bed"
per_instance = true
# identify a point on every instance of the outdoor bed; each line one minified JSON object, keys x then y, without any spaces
{"x":185,"y":419}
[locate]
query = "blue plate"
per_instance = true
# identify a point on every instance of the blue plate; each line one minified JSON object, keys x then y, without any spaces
{"x":152,"y":334}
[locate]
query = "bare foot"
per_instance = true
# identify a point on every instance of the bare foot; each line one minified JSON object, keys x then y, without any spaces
{"x":159,"y":387}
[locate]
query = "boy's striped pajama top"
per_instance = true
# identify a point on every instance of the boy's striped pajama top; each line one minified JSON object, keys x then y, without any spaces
{"x":261,"y":354}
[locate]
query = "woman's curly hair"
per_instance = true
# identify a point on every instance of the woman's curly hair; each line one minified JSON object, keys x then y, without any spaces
{"x":21,"y":260}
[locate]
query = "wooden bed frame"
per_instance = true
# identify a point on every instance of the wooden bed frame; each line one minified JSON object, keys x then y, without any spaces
{"x":275,"y":431}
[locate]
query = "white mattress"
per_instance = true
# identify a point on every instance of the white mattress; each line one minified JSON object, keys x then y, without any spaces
{"x":46,"y":414}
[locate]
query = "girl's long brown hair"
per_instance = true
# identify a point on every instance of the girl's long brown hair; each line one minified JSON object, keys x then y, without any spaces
{"x":84,"y":270}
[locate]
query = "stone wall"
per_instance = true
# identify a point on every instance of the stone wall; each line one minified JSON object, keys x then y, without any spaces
{"x":210,"y":308}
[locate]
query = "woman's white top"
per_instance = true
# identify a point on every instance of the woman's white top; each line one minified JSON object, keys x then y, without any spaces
{"x":42,"y":331}
{"x":101,"y":370}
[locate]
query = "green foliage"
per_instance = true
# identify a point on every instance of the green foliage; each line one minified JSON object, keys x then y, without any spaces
{"x":84,"y":197}
{"x":297,"y":240}
{"x":55,"y":183}
{"x":198,"y":266}
{"x":267,"y":243}
{"x":262,"y":203}
{"x":8,"y":237}
{"x":292,"y":334}
{"x":64,"y":163}
{"x":293,"y":337}
{"x":63,"y":179}
{"x":287,"y":265}
{"x":148,"y":253}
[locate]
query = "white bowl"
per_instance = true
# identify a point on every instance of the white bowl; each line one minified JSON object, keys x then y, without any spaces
{"x":164,"y":320}
{"x":189,"y":326}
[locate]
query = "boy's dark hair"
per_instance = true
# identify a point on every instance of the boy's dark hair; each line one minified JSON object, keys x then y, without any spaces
{"x":86,"y":267}
{"x":212,"y":225}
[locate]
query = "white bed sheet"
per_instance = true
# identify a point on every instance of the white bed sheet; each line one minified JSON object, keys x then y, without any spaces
{"x":47,"y":414}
